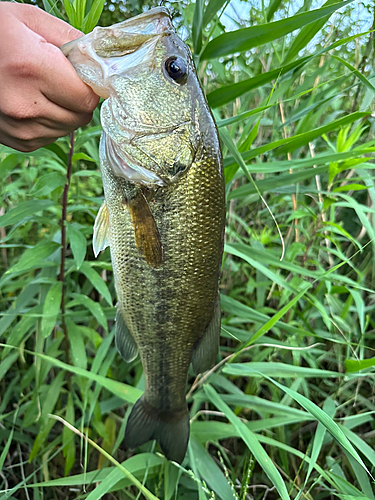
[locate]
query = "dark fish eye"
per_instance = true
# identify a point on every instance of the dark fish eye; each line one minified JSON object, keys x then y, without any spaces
{"x":176,"y":69}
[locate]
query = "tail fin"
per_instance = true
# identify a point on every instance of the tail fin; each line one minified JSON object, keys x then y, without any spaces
{"x":170,"y":429}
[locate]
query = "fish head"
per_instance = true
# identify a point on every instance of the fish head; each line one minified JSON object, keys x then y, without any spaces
{"x":153,"y":97}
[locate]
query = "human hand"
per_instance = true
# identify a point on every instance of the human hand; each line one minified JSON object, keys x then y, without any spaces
{"x":41,"y":96}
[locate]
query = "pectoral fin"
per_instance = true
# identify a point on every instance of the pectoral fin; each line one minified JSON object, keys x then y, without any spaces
{"x":147,"y":238}
{"x":205,"y":352}
{"x":125,"y":342}
{"x":101,"y":230}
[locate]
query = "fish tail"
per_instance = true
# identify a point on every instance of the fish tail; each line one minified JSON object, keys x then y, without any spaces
{"x":170,"y":429}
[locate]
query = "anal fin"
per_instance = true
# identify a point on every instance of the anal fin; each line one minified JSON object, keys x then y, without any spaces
{"x":125,"y":342}
{"x":101,"y":230}
{"x":147,"y":238}
{"x":206,"y":350}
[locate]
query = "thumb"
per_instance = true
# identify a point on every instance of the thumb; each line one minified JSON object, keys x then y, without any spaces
{"x":52,"y":29}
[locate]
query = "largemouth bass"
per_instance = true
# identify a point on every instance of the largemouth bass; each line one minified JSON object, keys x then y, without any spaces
{"x":163,"y":215}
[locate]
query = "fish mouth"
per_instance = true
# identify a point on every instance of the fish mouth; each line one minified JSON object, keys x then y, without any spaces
{"x":128,"y":36}
{"x":152,"y":22}
{"x":97,"y":55}
{"x":122,"y":38}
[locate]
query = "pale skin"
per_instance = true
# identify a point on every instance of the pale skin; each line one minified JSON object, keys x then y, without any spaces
{"x":41,"y":96}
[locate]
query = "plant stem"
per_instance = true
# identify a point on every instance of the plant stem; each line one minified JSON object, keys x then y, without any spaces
{"x":63,"y":237}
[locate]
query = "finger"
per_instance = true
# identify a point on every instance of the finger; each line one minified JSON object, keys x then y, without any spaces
{"x":70,"y":123}
{"x":30,"y":127}
{"x":26,"y":145}
{"x":48,"y":69}
{"x":61,"y":84}
{"x":56,"y":120}
{"x":52,"y":29}
{"x":57,"y":78}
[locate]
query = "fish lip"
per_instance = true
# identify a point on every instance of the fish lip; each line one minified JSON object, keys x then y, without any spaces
{"x":134,"y":32}
{"x":157,"y":15}
{"x":153,"y":23}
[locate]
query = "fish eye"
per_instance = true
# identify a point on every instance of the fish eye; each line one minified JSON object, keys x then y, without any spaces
{"x":176,"y":69}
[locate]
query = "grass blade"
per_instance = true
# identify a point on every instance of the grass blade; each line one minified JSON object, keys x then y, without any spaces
{"x":247,"y":38}
{"x":251,"y":441}
{"x":123,"y":391}
{"x":307,"y":33}
{"x":121,"y":468}
{"x":324,"y":419}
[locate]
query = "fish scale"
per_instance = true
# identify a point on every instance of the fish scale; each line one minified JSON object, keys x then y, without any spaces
{"x":163,"y":215}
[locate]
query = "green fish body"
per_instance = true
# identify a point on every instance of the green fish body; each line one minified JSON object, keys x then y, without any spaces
{"x":163,"y":215}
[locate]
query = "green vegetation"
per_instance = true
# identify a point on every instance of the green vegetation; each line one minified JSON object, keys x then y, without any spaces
{"x":288,"y":412}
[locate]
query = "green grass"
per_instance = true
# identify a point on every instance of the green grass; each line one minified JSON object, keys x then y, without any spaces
{"x":288,"y":411}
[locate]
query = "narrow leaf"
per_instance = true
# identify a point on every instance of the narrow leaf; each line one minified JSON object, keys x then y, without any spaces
{"x":78,"y":244}
{"x":34,"y":257}
{"x":291,"y":143}
{"x":281,"y":370}
{"x":212,"y":8}
{"x":77,"y":344}
{"x":51,"y":309}
{"x":272,"y":8}
{"x":355,"y":365}
{"x":357,"y":73}
{"x":47,"y":183}
{"x":68,"y":440}
{"x":197,"y":26}
{"x":251,"y":441}
{"x":5,"y":450}
{"x":307,"y":33}
{"x":95,"y":308}
{"x":24,"y":210}
{"x":93,"y":16}
{"x":228,"y":93}
{"x":323,"y":418}
{"x":247,"y":38}
{"x":96,"y":281}
{"x":123,"y":391}
{"x":209,"y":471}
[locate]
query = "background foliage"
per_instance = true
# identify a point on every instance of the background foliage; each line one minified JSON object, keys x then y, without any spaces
{"x":288,"y":412}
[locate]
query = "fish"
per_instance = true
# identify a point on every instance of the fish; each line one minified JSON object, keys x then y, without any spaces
{"x":163,"y":214}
